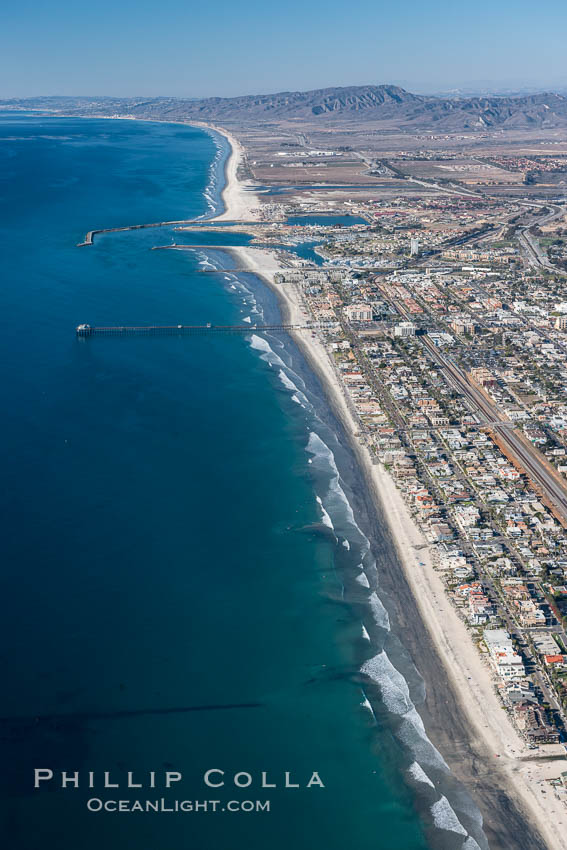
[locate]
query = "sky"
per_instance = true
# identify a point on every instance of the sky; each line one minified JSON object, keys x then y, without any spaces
{"x":185,"y":48}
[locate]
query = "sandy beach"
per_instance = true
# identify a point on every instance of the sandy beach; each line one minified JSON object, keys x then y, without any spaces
{"x":490,"y":751}
{"x":494,"y":752}
{"x":237,"y":196}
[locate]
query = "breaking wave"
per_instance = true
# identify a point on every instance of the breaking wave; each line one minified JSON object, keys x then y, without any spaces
{"x":325,"y":516}
{"x":297,"y":395}
{"x":216,"y":178}
{"x":338,"y":516}
{"x":445,"y":818}
{"x":379,"y":613}
{"x":267,"y":352}
{"x":416,"y":771}
{"x":396,"y":697}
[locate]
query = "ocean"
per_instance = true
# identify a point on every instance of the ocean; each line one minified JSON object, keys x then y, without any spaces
{"x":189,"y":579}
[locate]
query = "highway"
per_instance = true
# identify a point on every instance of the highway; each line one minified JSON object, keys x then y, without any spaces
{"x":534,"y":256}
{"x":532,"y":251}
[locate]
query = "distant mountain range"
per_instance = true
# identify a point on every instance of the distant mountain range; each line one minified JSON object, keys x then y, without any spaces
{"x":384,"y":104}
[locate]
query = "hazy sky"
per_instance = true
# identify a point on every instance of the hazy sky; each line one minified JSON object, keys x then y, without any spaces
{"x":185,"y":48}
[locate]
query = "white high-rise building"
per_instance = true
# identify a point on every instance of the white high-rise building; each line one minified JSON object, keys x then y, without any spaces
{"x":404,"y":329}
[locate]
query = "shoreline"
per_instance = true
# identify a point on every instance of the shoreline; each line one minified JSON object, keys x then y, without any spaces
{"x":234,"y":202}
{"x":461,"y":699}
{"x":237,"y":202}
{"x":460,"y":696}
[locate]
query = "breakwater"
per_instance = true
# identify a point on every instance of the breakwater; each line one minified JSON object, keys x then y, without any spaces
{"x":90,"y":235}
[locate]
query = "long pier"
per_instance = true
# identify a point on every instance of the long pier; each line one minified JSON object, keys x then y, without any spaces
{"x":85,"y":331}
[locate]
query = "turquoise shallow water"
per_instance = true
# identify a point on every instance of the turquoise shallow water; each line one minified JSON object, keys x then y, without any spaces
{"x":164,"y":547}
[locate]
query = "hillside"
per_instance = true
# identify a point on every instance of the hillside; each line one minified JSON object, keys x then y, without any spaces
{"x":353,"y":104}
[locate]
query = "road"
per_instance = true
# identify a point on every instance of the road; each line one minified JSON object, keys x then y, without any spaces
{"x":532,"y":251}
{"x":527,"y":456}
{"x":537,"y":469}
{"x":490,"y":414}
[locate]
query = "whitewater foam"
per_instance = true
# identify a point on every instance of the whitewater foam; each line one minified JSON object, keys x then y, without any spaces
{"x":445,"y":818}
{"x":396,"y":698}
{"x":379,"y":613}
{"x":297,"y":396}
{"x":325,"y":518}
{"x":267,"y":352}
{"x":394,"y":688}
{"x":336,"y":499}
{"x":210,"y":192}
{"x":417,"y":772}
{"x":286,"y":381}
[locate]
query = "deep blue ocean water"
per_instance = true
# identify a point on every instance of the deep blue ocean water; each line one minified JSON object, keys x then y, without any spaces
{"x":175,"y":597}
